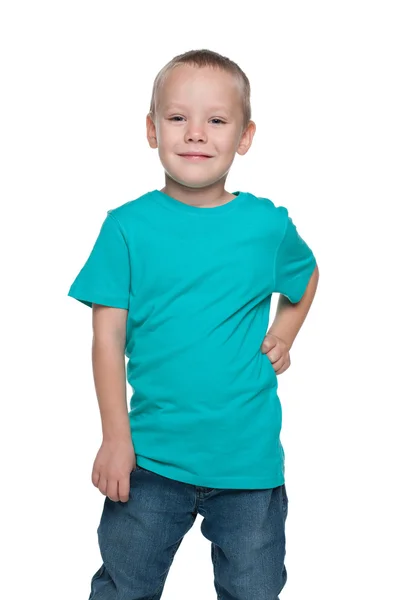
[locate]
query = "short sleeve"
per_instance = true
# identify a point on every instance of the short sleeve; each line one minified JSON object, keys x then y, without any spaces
{"x":294,"y":264}
{"x":105,"y":277}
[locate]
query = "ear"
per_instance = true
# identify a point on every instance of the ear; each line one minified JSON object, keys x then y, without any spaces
{"x":151,"y":131}
{"x":246,"y":138}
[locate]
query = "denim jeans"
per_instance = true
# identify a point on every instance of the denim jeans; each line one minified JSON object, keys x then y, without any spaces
{"x":138,"y":539}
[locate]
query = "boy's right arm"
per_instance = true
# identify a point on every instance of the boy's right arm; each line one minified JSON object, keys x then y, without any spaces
{"x":116,"y":458}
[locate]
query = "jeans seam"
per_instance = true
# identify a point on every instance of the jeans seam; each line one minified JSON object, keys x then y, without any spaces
{"x":167,"y":570}
{"x":215,"y":563}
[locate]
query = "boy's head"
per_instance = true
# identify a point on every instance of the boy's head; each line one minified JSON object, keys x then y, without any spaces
{"x":200,"y":103}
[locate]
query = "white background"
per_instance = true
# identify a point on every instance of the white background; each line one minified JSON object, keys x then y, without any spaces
{"x":76,"y":79}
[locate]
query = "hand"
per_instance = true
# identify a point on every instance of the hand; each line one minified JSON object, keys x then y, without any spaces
{"x":112,"y":468}
{"x":277,"y":351}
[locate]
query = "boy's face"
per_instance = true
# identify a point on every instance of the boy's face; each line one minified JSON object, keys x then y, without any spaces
{"x":199,"y":110}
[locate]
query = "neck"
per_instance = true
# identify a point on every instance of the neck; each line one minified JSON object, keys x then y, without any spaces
{"x":203,"y":197}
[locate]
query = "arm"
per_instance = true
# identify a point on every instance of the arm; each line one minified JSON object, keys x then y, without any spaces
{"x":108,"y":360}
{"x":290,"y":317}
{"x":116,"y":458}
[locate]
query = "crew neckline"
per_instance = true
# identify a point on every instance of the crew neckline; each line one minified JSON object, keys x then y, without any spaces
{"x":182,"y":207}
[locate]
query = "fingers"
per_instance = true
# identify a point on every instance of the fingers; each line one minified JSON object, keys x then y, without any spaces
{"x":114,"y":489}
{"x":276,"y":351}
{"x":269,"y":342}
{"x":123,"y":488}
{"x":95,"y":477}
{"x":282,"y":370}
{"x":102,"y":486}
{"x":281,"y":365}
{"x":278,"y":364}
{"x":278,"y":357}
{"x":275,"y":355}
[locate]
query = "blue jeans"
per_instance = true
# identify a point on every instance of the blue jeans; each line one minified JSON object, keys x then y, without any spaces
{"x":138,"y":539}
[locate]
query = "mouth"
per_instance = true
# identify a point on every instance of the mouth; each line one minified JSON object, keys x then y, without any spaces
{"x":195,"y":157}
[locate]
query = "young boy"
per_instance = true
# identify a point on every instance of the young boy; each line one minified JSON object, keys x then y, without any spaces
{"x":180,"y":281}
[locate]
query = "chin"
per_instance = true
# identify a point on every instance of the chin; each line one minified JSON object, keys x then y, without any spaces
{"x":190,"y":182}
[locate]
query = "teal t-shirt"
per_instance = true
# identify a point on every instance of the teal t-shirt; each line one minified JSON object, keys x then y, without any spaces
{"x":197,"y":285}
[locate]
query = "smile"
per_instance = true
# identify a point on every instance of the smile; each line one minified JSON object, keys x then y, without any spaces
{"x":194,"y":157}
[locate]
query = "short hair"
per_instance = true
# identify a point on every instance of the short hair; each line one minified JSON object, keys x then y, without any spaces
{"x":205,"y":58}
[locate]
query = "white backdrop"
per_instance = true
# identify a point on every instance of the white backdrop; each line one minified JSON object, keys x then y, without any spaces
{"x":76,"y":80}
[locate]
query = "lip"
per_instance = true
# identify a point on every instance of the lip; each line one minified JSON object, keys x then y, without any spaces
{"x":195,"y":157}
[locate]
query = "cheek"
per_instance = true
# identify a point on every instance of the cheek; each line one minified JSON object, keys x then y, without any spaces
{"x":165,"y":135}
{"x":226,"y":142}
{"x":227,"y":148}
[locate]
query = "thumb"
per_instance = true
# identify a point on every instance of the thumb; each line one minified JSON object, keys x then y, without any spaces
{"x":268,"y":343}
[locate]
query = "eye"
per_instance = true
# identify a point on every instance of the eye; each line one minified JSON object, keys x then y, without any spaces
{"x":176,"y":119}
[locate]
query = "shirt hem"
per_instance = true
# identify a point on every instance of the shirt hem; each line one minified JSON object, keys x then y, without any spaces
{"x":302,"y":283}
{"x":239,"y":482}
{"x":89,"y":299}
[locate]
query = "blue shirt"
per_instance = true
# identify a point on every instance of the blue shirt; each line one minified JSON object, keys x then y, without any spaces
{"x":197,"y":285}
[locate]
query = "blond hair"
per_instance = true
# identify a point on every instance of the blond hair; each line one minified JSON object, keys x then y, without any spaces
{"x":205,"y":58}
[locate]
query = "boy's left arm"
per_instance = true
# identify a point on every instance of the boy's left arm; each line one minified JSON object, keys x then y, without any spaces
{"x":287,"y":323}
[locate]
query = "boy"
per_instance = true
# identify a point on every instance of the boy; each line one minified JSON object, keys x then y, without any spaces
{"x":180,"y":281}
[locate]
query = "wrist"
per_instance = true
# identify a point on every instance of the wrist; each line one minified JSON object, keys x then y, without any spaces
{"x":116,"y":435}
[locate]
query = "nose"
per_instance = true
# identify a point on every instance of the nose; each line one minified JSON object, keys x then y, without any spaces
{"x":195,"y":133}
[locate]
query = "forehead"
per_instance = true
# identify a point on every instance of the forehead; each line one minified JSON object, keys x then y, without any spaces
{"x":188,"y":85}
